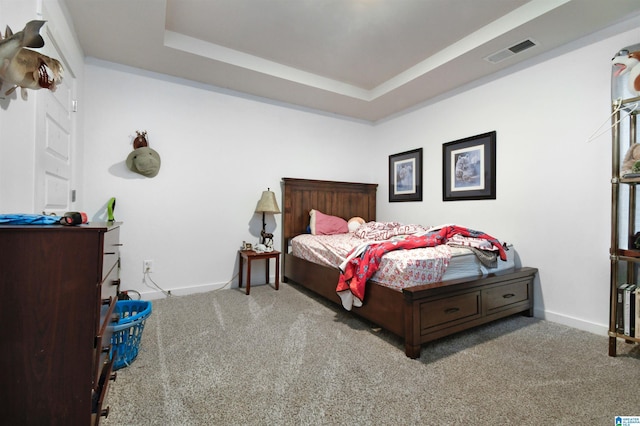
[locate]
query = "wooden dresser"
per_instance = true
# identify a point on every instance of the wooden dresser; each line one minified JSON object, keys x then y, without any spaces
{"x":58,"y":290}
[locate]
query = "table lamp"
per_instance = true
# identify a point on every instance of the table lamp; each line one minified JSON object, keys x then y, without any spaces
{"x":267,"y":204}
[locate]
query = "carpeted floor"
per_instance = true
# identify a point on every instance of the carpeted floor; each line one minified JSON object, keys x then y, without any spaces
{"x":288,"y":358}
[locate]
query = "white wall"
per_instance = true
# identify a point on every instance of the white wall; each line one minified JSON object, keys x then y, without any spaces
{"x":17,"y":126}
{"x":553,"y":187}
{"x":219,"y":152}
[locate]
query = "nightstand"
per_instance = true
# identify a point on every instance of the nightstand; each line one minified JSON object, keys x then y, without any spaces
{"x":249,"y":256}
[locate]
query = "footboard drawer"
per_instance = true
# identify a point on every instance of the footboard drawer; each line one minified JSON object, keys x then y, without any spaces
{"x":449,"y":311}
{"x":505,"y":296}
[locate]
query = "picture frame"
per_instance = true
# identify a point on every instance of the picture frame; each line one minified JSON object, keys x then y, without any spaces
{"x":405,"y":176}
{"x":469,"y":168}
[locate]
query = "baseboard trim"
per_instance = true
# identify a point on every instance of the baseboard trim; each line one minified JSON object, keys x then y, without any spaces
{"x":580,"y":324}
{"x":182,"y":291}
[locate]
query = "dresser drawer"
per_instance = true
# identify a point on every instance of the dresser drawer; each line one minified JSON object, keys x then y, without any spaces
{"x":504,"y":296}
{"x":104,"y":356}
{"x":111,"y":253}
{"x":102,"y":350}
{"x":110,"y":286}
{"x":100,"y":393}
{"x":445,"y":312}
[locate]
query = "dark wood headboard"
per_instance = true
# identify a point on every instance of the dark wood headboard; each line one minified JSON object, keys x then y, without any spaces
{"x":343,"y":199}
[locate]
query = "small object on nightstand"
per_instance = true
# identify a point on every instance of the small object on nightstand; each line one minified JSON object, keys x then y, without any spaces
{"x":249,"y":256}
{"x":261,"y":248}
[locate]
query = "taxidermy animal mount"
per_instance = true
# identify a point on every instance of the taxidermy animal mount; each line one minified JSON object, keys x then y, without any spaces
{"x":628,"y":64}
{"x":143,"y":160}
{"x":27,"y":68}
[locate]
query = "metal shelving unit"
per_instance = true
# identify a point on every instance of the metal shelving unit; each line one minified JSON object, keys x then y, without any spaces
{"x":625,"y":259}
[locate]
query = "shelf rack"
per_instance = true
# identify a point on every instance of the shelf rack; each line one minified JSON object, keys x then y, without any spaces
{"x":625,"y":260}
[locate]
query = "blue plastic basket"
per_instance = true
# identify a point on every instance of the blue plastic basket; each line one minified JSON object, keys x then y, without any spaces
{"x":128,"y":330}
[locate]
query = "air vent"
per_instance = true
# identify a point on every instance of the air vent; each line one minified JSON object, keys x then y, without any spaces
{"x":511,"y":51}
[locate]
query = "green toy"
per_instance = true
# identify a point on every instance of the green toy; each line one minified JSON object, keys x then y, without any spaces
{"x":111,"y":206}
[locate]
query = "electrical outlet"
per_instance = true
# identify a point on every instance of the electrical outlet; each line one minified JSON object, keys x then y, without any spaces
{"x":147,"y":266}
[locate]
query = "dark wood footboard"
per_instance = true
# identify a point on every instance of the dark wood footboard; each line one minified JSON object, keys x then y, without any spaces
{"x":436,"y":310}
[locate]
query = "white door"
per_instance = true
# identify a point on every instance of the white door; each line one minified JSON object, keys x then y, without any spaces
{"x":55,"y":138}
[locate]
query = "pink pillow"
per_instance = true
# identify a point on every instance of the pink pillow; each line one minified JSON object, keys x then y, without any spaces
{"x":324,"y":224}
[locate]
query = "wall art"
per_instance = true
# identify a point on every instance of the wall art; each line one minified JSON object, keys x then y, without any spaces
{"x":469,"y":168}
{"x":405,"y":176}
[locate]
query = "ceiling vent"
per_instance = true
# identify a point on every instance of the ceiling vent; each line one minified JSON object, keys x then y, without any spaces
{"x":511,"y":51}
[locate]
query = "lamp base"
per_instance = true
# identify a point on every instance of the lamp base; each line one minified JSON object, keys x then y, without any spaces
{"x":266,"y":238}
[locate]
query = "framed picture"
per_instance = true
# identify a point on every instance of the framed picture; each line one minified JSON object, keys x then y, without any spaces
{"x":469,"y":168}
{"x":405,"y":176}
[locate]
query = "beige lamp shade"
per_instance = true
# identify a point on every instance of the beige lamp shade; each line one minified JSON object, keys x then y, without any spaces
{"x":268,"y":203}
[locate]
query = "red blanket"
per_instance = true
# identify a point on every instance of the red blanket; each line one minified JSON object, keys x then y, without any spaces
{"x":358,"y":270}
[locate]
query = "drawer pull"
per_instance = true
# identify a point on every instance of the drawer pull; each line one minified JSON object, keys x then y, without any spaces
{"x":106,"y":349}
{"x":104,"y":413}
{"x":110,"y":252}
{"x":117,"y":245}
{"x":451,"y":310}
{"x":113,"y":377}
{"x":508,"y":295}
{"x":115,"y":282}
{"x":106,"y":301}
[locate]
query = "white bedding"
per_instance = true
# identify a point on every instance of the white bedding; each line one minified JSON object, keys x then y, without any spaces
{"x":465,"y":264}
{"x":399,"y":268}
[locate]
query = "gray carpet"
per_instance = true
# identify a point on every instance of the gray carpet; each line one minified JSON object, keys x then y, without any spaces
{"x":287,"y":358}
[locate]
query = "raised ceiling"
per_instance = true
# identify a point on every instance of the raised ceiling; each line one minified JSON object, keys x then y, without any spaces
{"x":365,"y":59}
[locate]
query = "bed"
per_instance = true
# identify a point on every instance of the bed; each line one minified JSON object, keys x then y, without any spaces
{"x":418,"y":314}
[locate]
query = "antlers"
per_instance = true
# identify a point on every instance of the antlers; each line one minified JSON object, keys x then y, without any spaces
{"x":140,"y":140}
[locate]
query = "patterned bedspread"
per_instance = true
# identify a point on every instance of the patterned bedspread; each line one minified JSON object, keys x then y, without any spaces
{"x":363,"y":262}
{"x":397,"y":269}
{"x":425,"y":259}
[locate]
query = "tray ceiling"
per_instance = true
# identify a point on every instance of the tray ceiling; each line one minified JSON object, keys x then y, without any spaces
{"x":365,"y":59}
